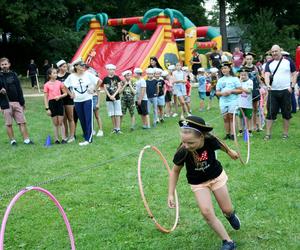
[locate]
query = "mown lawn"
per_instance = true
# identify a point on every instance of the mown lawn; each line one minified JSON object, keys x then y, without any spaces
{"x":97,"y":186}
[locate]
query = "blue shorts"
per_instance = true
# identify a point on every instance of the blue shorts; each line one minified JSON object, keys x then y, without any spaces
{"x":228,"y":109}
{"x":95,"y":102}
{"x":179,"y":89}
{"x":202,"y":95}
{"x":161,"y":100}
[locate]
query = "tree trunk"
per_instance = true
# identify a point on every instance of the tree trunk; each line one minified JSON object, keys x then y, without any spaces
{"x":223,"y":30}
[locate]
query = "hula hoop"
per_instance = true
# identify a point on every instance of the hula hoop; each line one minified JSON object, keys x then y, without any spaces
{"x":160,"y":227}
{"x":16,"y":198}
{"x":246,"y":131}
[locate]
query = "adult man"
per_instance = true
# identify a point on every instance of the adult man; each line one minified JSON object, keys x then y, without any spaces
{"x":32,"y":72}
{"x":12,"y":102}
{"x":280,"y":89}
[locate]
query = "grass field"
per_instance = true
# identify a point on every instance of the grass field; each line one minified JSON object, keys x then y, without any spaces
{"x":97,"y":186}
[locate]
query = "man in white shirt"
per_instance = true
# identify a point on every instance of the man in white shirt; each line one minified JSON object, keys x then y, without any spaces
{"x":280,"y":89}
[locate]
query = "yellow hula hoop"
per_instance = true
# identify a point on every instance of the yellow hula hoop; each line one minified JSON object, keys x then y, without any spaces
{"x":160,"y":227}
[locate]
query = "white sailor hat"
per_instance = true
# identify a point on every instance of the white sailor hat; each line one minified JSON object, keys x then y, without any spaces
{"x":138,"y":71}
{"x":201,"y":70}
{"x":158,"y":70}
{"x":213,"y":70}
{"x":126,"y":72}
{"x":77,"y":61}
{"x":110,"y":66}
{"x":164,"y":73}
{"x":150,"y":71}
{"x":60,"y":63}
{"x":171,"y":67}
{"x":285,"y":53}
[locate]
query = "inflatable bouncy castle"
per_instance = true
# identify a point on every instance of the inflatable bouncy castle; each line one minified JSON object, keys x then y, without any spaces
{"x":167,"y":25}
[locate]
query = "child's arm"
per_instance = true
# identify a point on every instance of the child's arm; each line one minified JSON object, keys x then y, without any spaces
{"x":132,"y":89}
{"x":117,"y":91}
{"x":106,"y":92}
{"x":172,"y":185}
{"x":123,"y":85}
{"x":232,"y":153}
{"x":46,"y":103}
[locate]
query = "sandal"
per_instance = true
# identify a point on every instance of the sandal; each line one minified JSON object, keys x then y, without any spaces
{"x":284,"y":137}
{"x":267,"y":137}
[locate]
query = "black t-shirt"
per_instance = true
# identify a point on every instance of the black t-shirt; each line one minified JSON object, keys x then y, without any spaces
{"x":201,"y":165}
{"x":111,"y":86}
{"x":32,"y":69}
{"x":151,"y":88}
{"x":253,"y":76}
{"x":215,"y":59}
{"x":160,"y":83}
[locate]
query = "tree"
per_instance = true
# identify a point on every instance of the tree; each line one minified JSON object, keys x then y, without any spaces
{"x":222,"y":21}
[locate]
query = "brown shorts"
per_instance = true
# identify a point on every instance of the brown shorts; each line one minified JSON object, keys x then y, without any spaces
{"x":213,"y":184}
{"x":15,"y":111}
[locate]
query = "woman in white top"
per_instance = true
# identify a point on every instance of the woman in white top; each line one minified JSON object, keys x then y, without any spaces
{"x":82,"y":85}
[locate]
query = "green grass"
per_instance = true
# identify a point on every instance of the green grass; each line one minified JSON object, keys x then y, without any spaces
{"x":103,"y":203}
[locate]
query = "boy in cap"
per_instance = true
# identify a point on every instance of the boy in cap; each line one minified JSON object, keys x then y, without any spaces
{"x":141,"y":99}
{"x":201,"y":87}
{"x":112,"y":86}
{"x":127,"y":99}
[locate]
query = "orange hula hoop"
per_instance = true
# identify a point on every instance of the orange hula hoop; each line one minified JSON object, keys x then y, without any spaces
{"x":244,"y":162}
{"x":160,"y":227}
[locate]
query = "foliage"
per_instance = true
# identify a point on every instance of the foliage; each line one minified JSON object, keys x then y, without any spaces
{"x":103,"y":202}
{"x":261,"y":31}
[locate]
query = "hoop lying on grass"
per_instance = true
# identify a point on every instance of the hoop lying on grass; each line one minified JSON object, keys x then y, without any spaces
{"x":246,"y":136}
{"x":46,"y":192}
{"x":161,"y":228}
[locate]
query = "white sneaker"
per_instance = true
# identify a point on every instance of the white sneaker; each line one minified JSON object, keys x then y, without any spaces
{"x":100,"y":133}
{"x":71,"y":140}
{"x":84,"y":143}
{"x":182,"y":117}
{"x":174,"y":115}
{"x":189,"y":114}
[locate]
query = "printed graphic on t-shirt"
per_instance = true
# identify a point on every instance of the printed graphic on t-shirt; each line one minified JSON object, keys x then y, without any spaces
{"x":82,"y":88}
{"x":201,"y":161}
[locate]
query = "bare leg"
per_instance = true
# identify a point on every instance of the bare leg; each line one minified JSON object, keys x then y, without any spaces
{"x":269,"y":127}
{"x":70,"y":116}
{"x":10,"y":132}
{"x":204,"y":201}
{"x":286,"y":126}
{"x":24,"y":131}
{"x":223,"y":199}
{"x":118,"y":122}
{"x":226,"y":124}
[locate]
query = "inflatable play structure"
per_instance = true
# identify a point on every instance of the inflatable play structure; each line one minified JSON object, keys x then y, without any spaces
{"x":168,"y":25}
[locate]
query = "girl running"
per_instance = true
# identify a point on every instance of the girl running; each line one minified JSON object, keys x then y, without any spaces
{"x":228,"y":88}
{"x":205,"y":175}
{"x":53,"y":102}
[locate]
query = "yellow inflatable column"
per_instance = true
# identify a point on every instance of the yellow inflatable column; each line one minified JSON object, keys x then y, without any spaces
{"x":95,"y":25}
{"x":166,"y":22}
{"x":189,"y":41}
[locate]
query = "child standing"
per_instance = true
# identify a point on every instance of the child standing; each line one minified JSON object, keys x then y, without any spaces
{"x":152,"y":92}
{"x":112,"y":86}
{"x":161,"y":94}
{"x":168,"y":93}
{"x":188,"y":87}
{"x":179,"y":87}
{"x":245,"y":99}
{"x":204,"y":174}
{"x":213,"y":82}
{"x":53,"y":102}
{"x":141,"y":98}
{"x":201,"y":87}
{"x":127,"y":99}
{"x":228,"y":88}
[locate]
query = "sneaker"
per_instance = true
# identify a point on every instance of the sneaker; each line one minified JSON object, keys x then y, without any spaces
{"x":145,"y":127}
{"x":119,"y":132}
{"x":13,"y":143}
{"x":94,"y":132}
{"x":174,"y":115}
{"x":167,"y":116}
{"x":226,"y":137}
{"x":57,"y":142}
{"x":182,"y":117}
{"x":189,"y":114}
{"x":70,"y":140}
{"x":64,"y":141}
{"x":228,"y":245}
{"x":100,"y":133}
{"x":162,"y":120}
{"x":267,"y":137}
{"x":284,"y":137}
{"x":114,"y":131}
{"x":28,"y":141}
{"x":84,"y":143}
{"x":234,"y":221}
